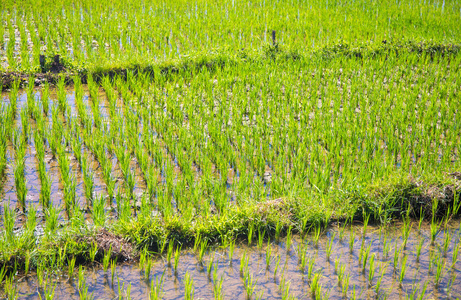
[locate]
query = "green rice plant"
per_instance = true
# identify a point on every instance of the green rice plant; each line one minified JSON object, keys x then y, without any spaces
{"x":261,"y":235}
{"x":45,"y":94}
{"x":27,"y":263}
{"x":147,"y":268}
{"x":380,"y":279}
{"x":88,"y":181}
{"x":371,"y":269}
{"x":99,"y":217}
{"x":10,"y":288}
{"x":342,"y":231}
{"x":316,"y":236}
{"x":446,"y":243}
{"x":217,"y":289}
{"x":156,"y":288}
{"x":422,"y":294}
{"x":302,"y":260}
{"x":288,"y":239}
{"x":177,"y":254}
{"x":386,"y":246}
{"x":243,"y":263}
{"x":231,"y":250}
{"x":189,"y":287}
{"x":48,"y":292}
{"x":345,"y":285}
{"x":440,"y":266}
{"x":51,"y":216}
{"x":169,"y":252}
{"x":284,"y":287}
{"x":202,"y":250}
{"x":451,"y":282}
{"x":315,"y":285}
{"x":396,"y":256}
{"x":277,"y":264}
{"x":363,"y":257}
{"x":268,"y":255}
{"x":81,"y":277}
{"x":419,"y":248}
{"x":3,"y":272}
{"x":454,"y":258}
{"x":20,"y":181}
{"x":403,"y":269}
{"x":106,"y":259}
{"x":250,"y":233}
{"x":113,"y":268}
{"x":278,"y":229}
{"x":71,"y":266}
{"x":351,"y":240}
{"x":249,"y":283}
{"x":210,"y":265}
{"x":406,"y":231}
{"x":310,"y":268}
{"x":329,"y":246}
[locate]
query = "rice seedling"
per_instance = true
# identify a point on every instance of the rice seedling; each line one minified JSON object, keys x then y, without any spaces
{"x":147,"y":266}
{"x":419,"y":248}
{"x":454,"y":257}
{"x":81,"y":277}
{"x":169,"y":254}
{"x":189,"y":287}
{"x":249,"y":283}
{"x":106,"y":259}
{"x":403,"y":269}
{"x":210,"y":265}
{"x":440,"y":266}
{"x":329,"y":246}
{"x":113,"y":268}
{"x":218,"y":288}
{"x":231,"y":250}
{"x":351,"y":240}
{"x":277,"y":264}
{"x":202,"y":250}
{"x":48,"y":292}
{"x":380,"y":279}
{"x":345,"y":285}
{"x":156,"y":289}
{"x":363,"y":256}
{"x":250,"y":233}
{"x":261,"y":235}
{"x":71,"y":266}
{"x":176,"y":259}
{"x":315,"y":285}
{"x":316,"y":236}
{"x":371,"y":269}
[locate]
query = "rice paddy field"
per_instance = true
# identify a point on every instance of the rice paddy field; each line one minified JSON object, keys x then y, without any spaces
{"x":230,"y":149}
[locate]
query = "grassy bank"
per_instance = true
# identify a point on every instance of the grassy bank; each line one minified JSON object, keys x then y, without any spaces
{"x":55,"y":66}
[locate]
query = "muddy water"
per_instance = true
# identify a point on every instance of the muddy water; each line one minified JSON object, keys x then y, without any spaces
{"x":284,"y":275}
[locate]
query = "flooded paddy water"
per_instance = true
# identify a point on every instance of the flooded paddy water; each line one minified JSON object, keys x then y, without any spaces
{"x":343,"y":262}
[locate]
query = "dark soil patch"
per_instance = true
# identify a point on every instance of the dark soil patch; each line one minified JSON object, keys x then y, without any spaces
{"x":108,"y":241}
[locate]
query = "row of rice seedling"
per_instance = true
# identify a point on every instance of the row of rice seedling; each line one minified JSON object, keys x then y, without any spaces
{"x":255,"y":128}
{"x":114,"y":32}
{"x":198,"y":147}
{"x":299,"y":268}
